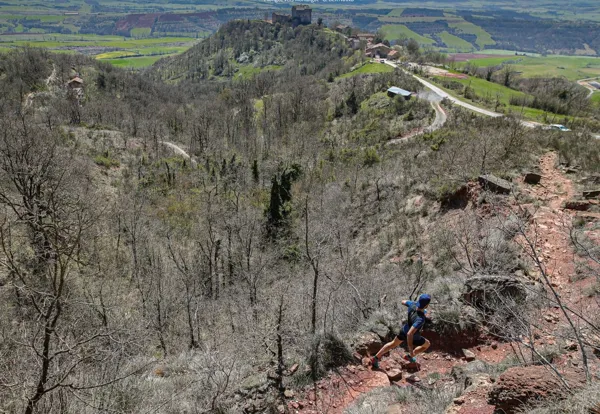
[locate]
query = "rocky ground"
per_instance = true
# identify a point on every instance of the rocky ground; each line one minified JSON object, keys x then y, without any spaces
{"x":452,"y":360}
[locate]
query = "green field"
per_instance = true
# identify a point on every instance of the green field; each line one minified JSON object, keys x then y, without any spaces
{"x":398,"y":31}
{"x":571,"y":67}
{"x":120,"y":51}
{"x":483,"y":38}
{"x":395,"y":13}
{"x":369,"y":68}
{"x":454,"y":42}
{"x":135,"y":62}
{"x":491,"y":92}
{"x":247,"y":71}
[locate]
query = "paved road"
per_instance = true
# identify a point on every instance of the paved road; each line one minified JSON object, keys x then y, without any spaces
{"x":487,"y":112}
{"x":585,"y":84}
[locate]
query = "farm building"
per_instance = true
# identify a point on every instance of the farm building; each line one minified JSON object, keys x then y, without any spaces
{"x":595,"y":85}
{"x":369,"y":37}
{"x":395,"y":91}
{"x":379,"y":50}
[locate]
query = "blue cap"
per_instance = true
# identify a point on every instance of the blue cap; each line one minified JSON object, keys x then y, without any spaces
{"x":424,"y":300}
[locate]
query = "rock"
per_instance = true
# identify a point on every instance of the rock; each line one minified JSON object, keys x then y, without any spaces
{"x":460,"y":373}
{"x":368,"y":344}
{"x":288,"y":394}
{"x":281,"y":409}
{"x":413,"y":378}
{"x":383,"y":331}
{"x":532,"y":178}
{"x":578,"y":205}
{"x":519,"y":385}
{"x":591,"y":193}
{"x":495,"y":184}
{"x":459,"y":400}
{"x":394,"y":374}
{"x":494,"y":345}
{"x":293,"y":369}
{"x":469,"y":355}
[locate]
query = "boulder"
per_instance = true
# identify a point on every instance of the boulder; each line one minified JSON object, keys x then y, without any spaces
{"x":532,"y":178}
{"x":591,"y":193}
{"x":495,"y":184}
{"x":579,"y":205}
{"x":384,"y":332}
{"x":368,"y":344}
{"x":521,"y":385}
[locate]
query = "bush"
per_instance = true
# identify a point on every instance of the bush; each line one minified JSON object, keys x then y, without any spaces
{"x":106,"y":162}
{"x":327,"y":352}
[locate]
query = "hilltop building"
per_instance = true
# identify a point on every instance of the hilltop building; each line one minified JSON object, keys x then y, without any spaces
{"x":301,"y":15}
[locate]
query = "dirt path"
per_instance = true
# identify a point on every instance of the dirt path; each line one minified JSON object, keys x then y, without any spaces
{"x":438,"y":122}
{"x":50,"y":80}
{"x":178,"y":150}
{"x":550,"y":230}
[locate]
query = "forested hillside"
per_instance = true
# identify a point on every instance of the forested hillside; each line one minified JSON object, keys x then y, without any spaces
{"x":177,"y":240}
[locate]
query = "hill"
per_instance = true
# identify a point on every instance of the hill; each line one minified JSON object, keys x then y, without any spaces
{"x":225,"y":231}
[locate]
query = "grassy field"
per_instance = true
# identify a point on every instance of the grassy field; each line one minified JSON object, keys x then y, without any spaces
{"x":454,"y":42}
{"x":369,"y":68}
{"x":120,"y":51}
{"x":247,"y":71}
{"x":134,"y":62}
{"x":571,"y":67}
{"x":483,"y":38}
{"x":489,"y":92}
{"x":395,"y":13}
{"x":397,"y":31}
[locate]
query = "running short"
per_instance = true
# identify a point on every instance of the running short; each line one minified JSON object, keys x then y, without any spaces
{"x":418,"y":340}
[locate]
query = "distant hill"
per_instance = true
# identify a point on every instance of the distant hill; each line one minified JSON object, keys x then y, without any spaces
{"x":246,"y":46}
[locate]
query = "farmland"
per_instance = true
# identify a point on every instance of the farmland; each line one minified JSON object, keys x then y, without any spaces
{"x":123,"y":52}
{"x":397,"y":31}
{"x":493,"y":96}
{"x":571,"y":67}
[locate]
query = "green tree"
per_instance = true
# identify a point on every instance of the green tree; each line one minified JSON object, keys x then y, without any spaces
{"x":281,"y":196}
{"x":352,"y":103}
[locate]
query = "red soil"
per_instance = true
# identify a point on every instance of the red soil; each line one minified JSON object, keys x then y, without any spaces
{"x":549,"y":229}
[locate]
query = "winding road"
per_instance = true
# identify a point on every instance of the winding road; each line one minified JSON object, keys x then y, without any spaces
{"x":585,"y":84}
{"x":445,"y":95}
